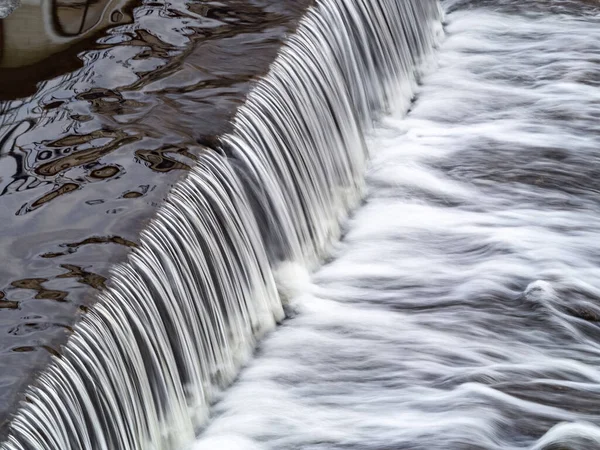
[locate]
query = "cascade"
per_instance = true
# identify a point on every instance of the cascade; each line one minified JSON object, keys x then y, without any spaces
{"x":183,"y":314}
{"x":461,"y":309}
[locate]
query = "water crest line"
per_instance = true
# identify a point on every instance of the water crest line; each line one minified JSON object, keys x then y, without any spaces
{"x":183,"y":314}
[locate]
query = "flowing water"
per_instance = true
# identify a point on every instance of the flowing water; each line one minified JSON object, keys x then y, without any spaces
{"x":462,"y":308}
{"x":181,"y":316}
{"x":104,"y":105}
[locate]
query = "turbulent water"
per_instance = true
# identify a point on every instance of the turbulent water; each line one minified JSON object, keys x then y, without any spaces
{"x":462,"y":308}
{"x":7,"y":7}
{"x":181,"y":316}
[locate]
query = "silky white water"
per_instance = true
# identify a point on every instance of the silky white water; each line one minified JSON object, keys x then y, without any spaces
{"x":462,"y":308}
{"x":211,"y":274}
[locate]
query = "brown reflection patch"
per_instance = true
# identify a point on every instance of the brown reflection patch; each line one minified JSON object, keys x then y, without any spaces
{"x":53,"y":105}
{"x":62,"y":190}
{"x":91,"y":279}
{"x":52,"y":255}
{"x":132,"y":194}
{"x":99,"y":93}
{"x":51,"y":350}
{"x":81,"y":117}
{"x":153,"y":46}
{"x":51,"y":294}
{"x":159,"y":161}
{"x":105,"y":172}
{"x":52,"y":195}
{"x":33,"y":327}
{"x":102,"y":240}
{"x":107,"y":101}
{"x":221,"y":83}
{"x":81,"y":157}
{"x":7,"y":304}
{"x":143,"y":190}
{"x":29,"y":283}
{"x":82,"y":276}
{"x":42,"y":293}
{"x":29,"y":349}
{"x":77,"y":139}
{"x":72,"y":247}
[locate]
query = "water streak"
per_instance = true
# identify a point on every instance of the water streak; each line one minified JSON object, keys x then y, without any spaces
{"x":183,"y":314}
{"x":462,"y":308}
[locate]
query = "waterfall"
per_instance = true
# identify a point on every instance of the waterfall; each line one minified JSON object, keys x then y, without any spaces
{"x":184,"y":312}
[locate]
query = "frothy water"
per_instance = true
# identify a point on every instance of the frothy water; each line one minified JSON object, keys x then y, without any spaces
{"x":184,"y":313}
{"x":462,"y":308}
{"x":7,"y":7}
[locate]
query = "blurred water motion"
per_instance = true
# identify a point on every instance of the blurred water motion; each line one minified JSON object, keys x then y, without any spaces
{"x":103,"y":106}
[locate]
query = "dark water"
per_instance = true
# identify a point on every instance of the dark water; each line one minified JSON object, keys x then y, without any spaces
{"x":101,"y":113}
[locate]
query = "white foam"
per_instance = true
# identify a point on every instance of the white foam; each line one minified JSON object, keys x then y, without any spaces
{"x":459,"y":312}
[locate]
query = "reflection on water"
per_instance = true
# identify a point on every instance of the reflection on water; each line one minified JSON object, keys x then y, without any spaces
{"x":96,"y":124}
{"x":42,"y":39}
{"x":7,"y":304}
{"x":72,"y":247}
{"x":36,"y":284}
{"x":163,"y":159}
{"x":41,"y":28}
